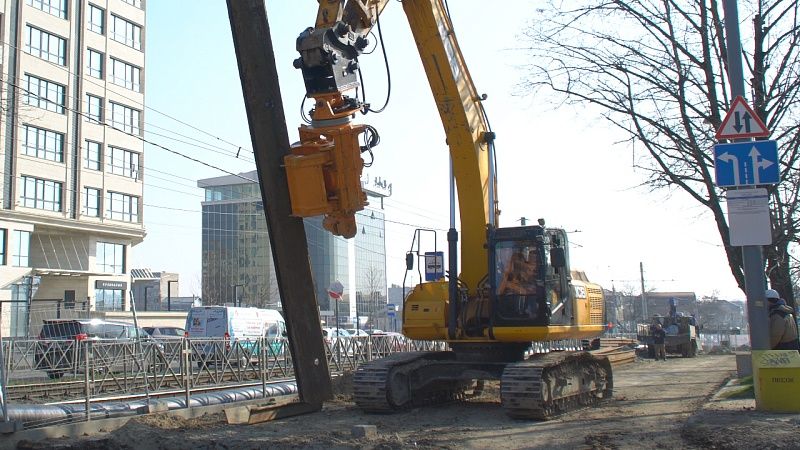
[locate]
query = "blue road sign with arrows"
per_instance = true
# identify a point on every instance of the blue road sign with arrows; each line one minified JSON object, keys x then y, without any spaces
{"x":746,"y":163}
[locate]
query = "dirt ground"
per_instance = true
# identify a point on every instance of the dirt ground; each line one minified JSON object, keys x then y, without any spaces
{"x":664,"y":405}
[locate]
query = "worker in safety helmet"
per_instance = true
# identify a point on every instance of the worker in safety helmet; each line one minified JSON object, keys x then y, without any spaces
{"x":782,"y":326}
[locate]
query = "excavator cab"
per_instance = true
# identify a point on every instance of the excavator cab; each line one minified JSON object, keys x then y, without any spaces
{"x":527,"y":288}
{"x":529,"y":276}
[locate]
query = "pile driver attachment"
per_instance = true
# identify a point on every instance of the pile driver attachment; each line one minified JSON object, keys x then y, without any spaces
{"x":324,"y":169}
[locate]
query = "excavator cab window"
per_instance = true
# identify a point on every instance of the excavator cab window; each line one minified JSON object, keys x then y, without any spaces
{"x":558,"y":258}
{"x":519,"y":282}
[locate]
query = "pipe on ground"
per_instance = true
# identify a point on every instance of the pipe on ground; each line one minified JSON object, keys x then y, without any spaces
{"x":32,"y":416}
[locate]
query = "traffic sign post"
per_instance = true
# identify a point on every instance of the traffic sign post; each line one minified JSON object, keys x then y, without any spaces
{"x":746,"y":163}
{"x":752,"y":259}
{"x":335,"y":291}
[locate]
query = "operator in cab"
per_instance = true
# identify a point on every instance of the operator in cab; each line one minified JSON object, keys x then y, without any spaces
{"x":518,"y":268}
{"x":519,"y":273}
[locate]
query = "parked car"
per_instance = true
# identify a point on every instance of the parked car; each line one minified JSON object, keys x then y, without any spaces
{"x":357,"y":333}
{"x":390,"y":339}
{"x":331,"y":334}
{"x":59,"y":351}
{"x":339,"y":340}
{"x":165,"y":333}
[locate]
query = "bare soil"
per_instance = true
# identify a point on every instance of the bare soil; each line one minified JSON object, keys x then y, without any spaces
{"x":662,"y":405}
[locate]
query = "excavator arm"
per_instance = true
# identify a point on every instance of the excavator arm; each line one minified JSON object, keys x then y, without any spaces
{"x":470,"y":141}
{"x":324,"y":170}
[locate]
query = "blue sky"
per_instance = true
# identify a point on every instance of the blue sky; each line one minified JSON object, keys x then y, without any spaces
{"x":561,"y":164}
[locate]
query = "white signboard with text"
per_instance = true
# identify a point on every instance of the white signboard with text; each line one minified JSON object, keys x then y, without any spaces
{"x":748,"y":217}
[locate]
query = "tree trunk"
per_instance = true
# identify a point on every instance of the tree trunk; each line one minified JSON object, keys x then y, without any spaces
{"x":779,"y":272}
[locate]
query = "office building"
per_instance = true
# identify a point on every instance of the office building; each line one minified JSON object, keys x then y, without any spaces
{"x":237,"y":265}
{"x":71,"y":128}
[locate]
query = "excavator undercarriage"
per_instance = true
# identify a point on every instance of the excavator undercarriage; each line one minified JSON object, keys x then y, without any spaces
{"x":540,"y":387}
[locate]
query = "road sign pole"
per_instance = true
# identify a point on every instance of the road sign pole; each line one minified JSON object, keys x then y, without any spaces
{"x":752,"y":260}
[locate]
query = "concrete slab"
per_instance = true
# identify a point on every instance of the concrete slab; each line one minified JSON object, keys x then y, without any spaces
{"x":155,"y":406}
{"x":9,"y":427}
{"x":364,"y":431}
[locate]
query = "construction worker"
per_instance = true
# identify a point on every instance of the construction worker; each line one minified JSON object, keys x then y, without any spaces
{"x":782,"y":326}
{"x":659,"y":335}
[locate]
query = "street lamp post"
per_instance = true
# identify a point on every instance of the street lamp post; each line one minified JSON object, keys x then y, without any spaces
{"x":169,"y":294}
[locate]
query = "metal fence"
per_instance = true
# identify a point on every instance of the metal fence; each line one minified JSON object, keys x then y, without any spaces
{"x":90,"y":371}
{"x":723,"y":341}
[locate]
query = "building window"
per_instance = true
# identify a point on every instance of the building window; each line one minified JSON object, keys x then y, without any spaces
{"x":57,"y":8}
{"x":136,"y":3}
{"x":125,"y":75}
{"x":122,"y":207}
{"x":122,"y":162}
{"x":94,"y":61}
{"x":126,"y":32}
{"x":22,"y":245}
{"x":125,"y":118}
{"x":91,"y":202}
{"x":108,"y":299}
{"x":45,"y":45}
{"x":94,"y":108}
{"x":110,"y":258}
{"x":94,"y":153}
{"x":44,"y":144}
{"x":3,"y":234}
{"x":96,"y":19}
{"x":40,"y":194}
{"x":44,"y":94}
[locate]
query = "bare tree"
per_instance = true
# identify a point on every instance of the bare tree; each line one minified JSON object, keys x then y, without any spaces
{"x":375,"y":287}
{"x":657,"y":70}
{"x":269,"y":295}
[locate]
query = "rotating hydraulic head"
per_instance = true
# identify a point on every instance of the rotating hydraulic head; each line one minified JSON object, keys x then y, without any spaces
{"x":324,"y":168}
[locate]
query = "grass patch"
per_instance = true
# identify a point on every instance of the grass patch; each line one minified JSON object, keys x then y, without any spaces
{"x":744,"y":390}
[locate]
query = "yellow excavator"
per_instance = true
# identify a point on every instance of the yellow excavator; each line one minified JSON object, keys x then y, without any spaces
{"x":515,"y":285}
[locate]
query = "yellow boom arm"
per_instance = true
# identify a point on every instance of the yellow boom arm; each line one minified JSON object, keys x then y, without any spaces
{"x":324,"y":169}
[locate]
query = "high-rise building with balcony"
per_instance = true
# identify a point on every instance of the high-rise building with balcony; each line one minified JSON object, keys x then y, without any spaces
{"x":71,"y":127}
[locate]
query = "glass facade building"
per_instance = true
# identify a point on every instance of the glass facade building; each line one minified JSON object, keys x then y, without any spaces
{"x":370,"y":266}
{"x":237,"y":266}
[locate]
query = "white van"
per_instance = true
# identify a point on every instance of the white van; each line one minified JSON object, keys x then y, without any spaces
{"x":242,"y":325}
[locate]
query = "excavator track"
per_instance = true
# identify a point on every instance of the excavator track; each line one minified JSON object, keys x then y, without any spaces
{"x":555,"y":383}
{"x":384,"y":385}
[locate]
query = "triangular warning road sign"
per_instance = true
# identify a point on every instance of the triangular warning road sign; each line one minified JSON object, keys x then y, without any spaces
{"x":741,"y":122}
